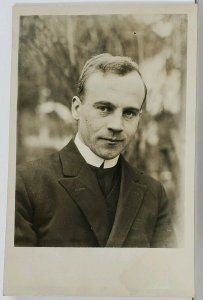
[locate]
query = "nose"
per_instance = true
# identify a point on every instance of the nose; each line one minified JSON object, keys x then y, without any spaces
{"x":116,"y":123}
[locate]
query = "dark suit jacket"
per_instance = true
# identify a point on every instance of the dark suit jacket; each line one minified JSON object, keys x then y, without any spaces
{"x":59,"y":203}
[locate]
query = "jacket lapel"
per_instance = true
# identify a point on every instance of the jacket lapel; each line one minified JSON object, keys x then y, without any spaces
{"x":129,"y":203}
{"x":81,"y":184}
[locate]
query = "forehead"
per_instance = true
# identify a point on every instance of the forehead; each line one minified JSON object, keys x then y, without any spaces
{"x":114,"y":86}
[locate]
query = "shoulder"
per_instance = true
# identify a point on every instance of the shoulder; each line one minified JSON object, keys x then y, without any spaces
{"x":49,"y":164}
{"x":152,"y":184}
{"x":38,"y":167}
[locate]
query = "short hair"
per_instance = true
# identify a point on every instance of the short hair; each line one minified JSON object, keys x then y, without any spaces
{"x":107,"y":63}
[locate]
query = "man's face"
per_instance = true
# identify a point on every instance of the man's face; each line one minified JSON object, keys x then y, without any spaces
{"x":109,"y":114}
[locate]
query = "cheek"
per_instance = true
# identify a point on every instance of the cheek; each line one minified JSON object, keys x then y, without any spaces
{"x":85,"y":125}
{"x":131,"y":128}
{"x":87,"y":116}
{"x":89,"y":125}
{"x":93,"y":122}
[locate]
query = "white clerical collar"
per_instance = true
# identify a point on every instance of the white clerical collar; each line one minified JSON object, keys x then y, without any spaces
{"x":91,"y":158}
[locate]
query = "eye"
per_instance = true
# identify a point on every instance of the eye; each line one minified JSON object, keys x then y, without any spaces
{"x":129,"y":114}
{"x":104,"y":109}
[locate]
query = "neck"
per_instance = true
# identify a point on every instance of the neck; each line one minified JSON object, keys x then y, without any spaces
{"x":92,"y":158}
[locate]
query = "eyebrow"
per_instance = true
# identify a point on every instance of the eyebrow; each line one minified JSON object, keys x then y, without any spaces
{"x":132,"y":108}
{"x":113,"y":106}
{"x":104,"y":103}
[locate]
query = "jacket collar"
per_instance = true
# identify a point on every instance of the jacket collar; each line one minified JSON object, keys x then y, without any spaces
{"x":131,"y":196}
{"x":81,"y":184}
{"x":71,"y":160}
{"x":83,"y":187}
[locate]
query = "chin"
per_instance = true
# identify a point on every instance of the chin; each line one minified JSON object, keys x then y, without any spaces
{"x":107,"y":156}
{"x":106,"y":153}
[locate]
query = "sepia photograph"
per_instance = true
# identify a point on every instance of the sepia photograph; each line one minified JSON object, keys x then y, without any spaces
{"x":101,"y":146}
{"x":101,"y":124}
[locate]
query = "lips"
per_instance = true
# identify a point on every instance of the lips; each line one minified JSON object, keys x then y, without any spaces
{"x":112,"y":140}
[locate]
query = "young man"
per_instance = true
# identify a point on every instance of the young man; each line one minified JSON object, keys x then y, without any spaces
{"x":87,"y":195}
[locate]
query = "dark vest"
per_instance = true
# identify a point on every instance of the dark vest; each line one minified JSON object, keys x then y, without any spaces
{"x":109,"y":182}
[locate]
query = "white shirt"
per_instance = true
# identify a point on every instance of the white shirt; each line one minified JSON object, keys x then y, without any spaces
{"x":91,"y":158}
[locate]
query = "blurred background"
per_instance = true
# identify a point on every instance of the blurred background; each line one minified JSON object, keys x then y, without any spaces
{"x":52,"y":53}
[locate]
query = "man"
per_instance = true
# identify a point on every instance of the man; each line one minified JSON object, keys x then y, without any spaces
{"x":87,"y":195}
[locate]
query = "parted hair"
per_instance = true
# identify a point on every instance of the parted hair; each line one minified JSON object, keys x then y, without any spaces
{"x":107,"y":63}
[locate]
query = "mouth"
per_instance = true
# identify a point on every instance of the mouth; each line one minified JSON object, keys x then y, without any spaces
{"x":113,"y":141}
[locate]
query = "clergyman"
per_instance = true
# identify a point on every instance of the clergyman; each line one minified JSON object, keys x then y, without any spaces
{"x":87,"y":195}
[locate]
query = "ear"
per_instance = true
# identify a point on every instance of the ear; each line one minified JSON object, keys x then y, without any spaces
{"x":76,"y":104}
